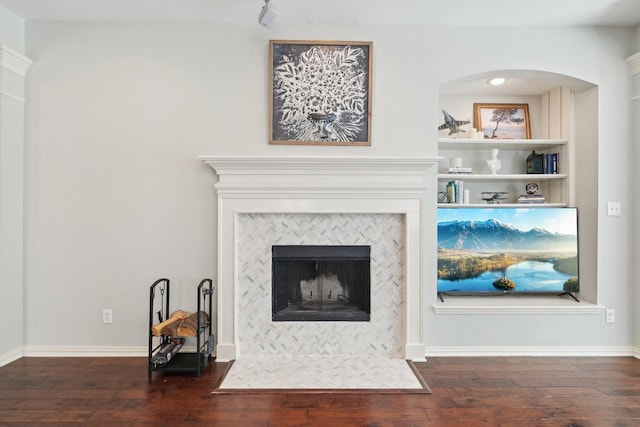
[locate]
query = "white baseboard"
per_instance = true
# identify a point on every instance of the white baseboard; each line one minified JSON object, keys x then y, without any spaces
{"x":94,"y":351}
{"x":415,"y":352}
{"x":84,"y":351}
{"x":11,"y":356}
{"x":226,"y":352}
{"x":531,"y":351}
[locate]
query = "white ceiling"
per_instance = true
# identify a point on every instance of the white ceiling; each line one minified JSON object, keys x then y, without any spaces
{"x":340,"y":12}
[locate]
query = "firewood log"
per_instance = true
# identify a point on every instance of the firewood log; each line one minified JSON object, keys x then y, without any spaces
{"x":189,"y":325}
{"x":170,"y":326}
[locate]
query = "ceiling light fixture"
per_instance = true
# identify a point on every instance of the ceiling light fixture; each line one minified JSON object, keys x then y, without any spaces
{"x":497,"y":81}
{"x":267,"y":15}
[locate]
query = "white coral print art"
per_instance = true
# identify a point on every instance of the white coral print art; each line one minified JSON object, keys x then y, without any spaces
{"x":321,"y":94}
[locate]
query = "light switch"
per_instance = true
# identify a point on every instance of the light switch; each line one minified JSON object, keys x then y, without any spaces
{"x":614,"y":209}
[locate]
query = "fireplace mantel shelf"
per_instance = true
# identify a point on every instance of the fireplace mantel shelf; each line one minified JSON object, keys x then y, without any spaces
{"x":322,"y":177}
{"x":329,"y":163}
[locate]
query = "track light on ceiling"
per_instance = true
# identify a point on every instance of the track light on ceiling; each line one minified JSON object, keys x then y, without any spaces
{"x":267,"y":15}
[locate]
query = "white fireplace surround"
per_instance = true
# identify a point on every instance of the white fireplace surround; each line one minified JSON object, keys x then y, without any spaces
{"x":327,"y":185}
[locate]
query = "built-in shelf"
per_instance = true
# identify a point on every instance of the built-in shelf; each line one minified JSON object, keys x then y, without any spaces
{"x":499,"y":177}
{"x":501,"y":144}
{"x":502,"y":205}
{"x":473,"y":153}
{"x":515,"y":304}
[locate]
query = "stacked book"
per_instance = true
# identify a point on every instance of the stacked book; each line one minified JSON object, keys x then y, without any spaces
{"x":458,"y":170}
{"x":550,"y":163}
{"x":455,"y":191}
{"x":531,"y":198}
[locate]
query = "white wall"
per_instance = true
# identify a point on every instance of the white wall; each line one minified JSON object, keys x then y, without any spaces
{"x":636,"y":225}
{"x":11,"y":30}
{"x":636,"y":230}
{"x":11,"y":185}
{"x":116,"y":198}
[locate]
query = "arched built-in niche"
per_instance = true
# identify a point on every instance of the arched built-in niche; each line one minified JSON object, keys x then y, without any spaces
{"x":561,"y":108}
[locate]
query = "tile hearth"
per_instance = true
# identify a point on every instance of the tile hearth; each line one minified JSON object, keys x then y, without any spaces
{"x":320,"y":372}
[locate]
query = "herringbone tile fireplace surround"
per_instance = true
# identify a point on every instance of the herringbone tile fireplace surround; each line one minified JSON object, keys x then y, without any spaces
{"x":382,"y":335}
{"x":381,"y":202}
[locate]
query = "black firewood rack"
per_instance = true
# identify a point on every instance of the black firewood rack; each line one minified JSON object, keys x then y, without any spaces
{"x":166,"y":354}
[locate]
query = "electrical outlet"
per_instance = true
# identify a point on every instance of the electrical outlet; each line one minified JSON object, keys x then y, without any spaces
{"x":614,"y":209}
{"x":107,"y":315}
{"x":611,"y":316}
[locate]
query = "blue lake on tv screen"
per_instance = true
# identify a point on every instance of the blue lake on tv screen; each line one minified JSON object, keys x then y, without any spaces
{"x":529,"y":276}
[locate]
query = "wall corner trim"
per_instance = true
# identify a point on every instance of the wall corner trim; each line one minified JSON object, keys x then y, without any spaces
{"x":14,"y":61}
{"x":634,"y":63}
{"x":11,"y":356}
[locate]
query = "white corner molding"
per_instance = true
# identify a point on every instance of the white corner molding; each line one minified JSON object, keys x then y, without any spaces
{"x":14,"y":61}
{"x":326,"y":185}
{"x":634,"y":68}
{"x":634,"y":63}
{"x":11,"y":356}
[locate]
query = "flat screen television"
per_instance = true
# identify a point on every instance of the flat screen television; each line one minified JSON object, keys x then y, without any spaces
{"x":507,"y":250}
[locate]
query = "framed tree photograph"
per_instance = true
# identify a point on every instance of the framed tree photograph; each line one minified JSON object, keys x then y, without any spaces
{"x":502,"y":121}
{"x":320,"y":93}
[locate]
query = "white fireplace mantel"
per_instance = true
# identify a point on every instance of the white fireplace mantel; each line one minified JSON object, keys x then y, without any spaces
{"x":326,"y":185}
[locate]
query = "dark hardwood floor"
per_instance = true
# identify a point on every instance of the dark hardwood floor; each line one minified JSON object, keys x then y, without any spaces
{"x":470,"y":391}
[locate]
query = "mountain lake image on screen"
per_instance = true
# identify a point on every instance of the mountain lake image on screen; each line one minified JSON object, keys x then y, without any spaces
{"x":507,"y":250}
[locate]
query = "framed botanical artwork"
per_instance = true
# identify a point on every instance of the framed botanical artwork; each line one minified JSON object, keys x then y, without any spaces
{"x":502,"y":121}
{"x":320,"y":93}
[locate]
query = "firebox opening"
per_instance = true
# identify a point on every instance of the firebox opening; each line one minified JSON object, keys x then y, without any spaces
{"x":321,"y":283}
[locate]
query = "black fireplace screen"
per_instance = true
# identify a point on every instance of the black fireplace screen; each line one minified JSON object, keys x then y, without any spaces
{"x":321,"y":283}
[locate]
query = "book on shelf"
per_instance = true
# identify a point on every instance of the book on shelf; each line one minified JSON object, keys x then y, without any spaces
{"x":531,"y":198}
{"x":455,"y":191}
{"x":458,"y":170}
{"x":550,"y":163}
{"x":545,"y":163}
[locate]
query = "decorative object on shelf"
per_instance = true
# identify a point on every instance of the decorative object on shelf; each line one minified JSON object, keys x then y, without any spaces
{"x":531,"y":188}
{"x":503,"y":121}
{"x":494,"y":163}
{"x":474,"y":134}
{"x":321,"y":93}
{"x":452,"y":124}
{"x":532,"y":195}
{"x":494,"y":197}
{"x":443,"y":197}
{"x":535,"y":163}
